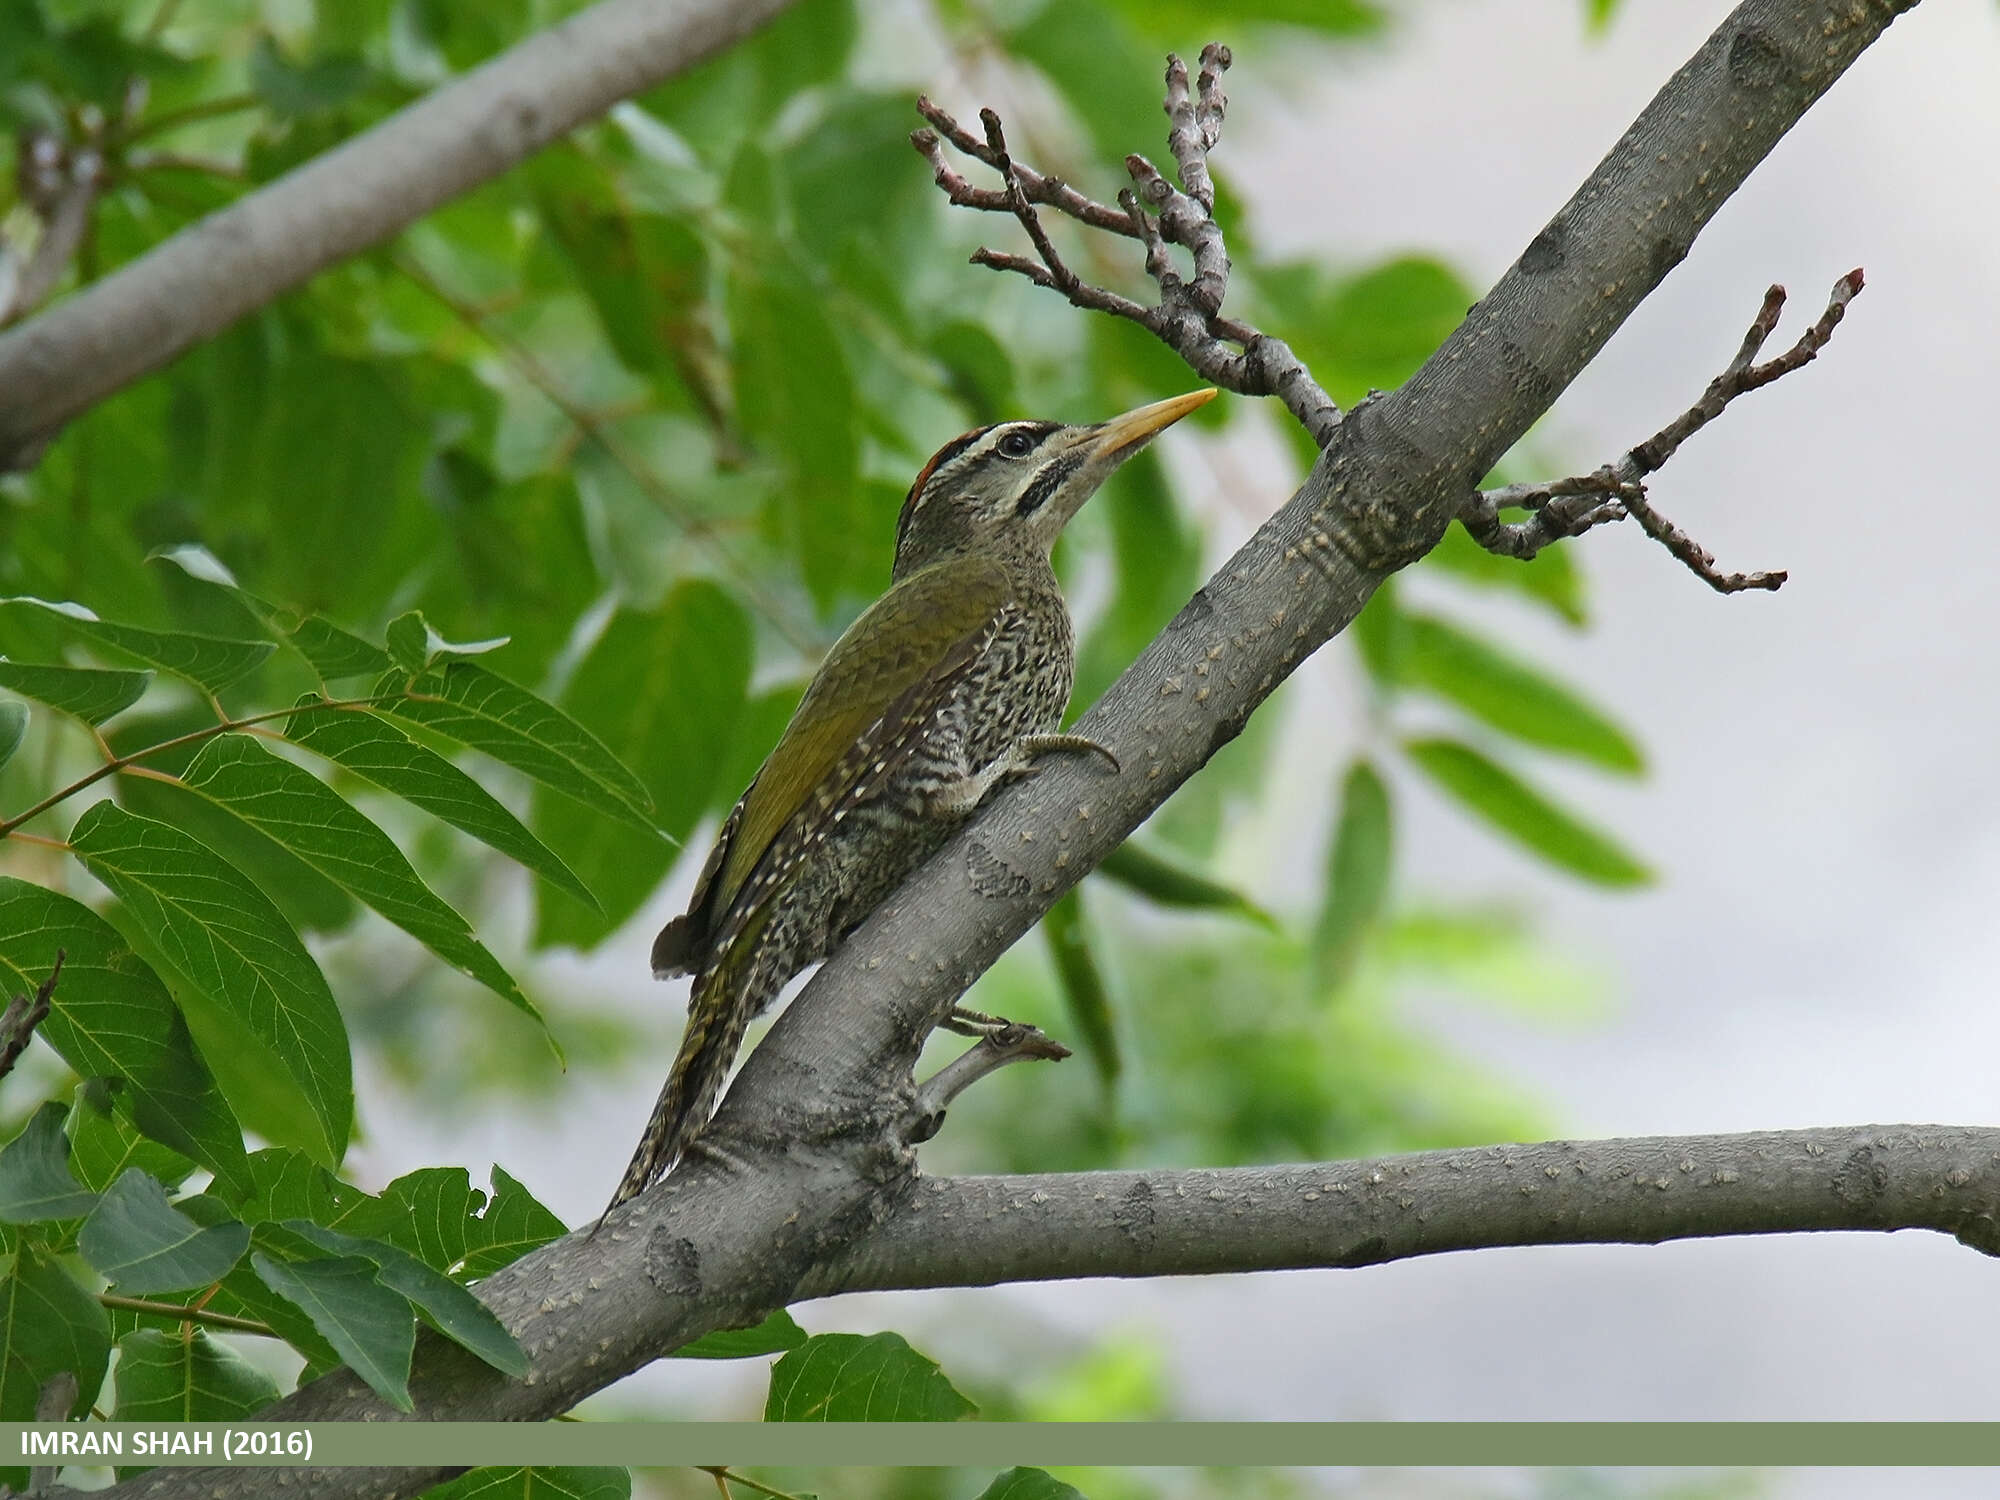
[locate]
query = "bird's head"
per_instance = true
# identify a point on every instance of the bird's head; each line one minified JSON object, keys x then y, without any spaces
{"x":1013,"y":486}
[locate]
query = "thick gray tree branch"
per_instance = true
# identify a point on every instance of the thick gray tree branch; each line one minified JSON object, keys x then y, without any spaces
{"x":206,"y":277}
{"x":980,"y":1231}
{"x":811,"y":1152}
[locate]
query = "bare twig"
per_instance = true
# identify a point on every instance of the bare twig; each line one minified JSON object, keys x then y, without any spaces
{"x":1010,"y":1042}
{"x":1188,"y":316}
{"x":725,"y":1476}
{"x":1570,"y":507}
{"x":61,"y":184}
{"x":52,"y":1404}
{"x":23,"y":1015}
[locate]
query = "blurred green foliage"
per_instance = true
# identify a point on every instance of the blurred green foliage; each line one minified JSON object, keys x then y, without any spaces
{"x":635,"y":421}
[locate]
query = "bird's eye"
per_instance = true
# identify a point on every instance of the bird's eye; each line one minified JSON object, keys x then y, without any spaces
{"x":1017,"y":445}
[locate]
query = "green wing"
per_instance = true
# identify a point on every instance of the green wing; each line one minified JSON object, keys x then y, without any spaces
{"x":890,"y":663}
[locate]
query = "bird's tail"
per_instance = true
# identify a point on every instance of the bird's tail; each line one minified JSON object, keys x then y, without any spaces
{"x":719,"y":1013}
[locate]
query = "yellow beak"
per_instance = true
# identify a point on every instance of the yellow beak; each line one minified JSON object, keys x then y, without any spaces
{"x":1119,"y":437}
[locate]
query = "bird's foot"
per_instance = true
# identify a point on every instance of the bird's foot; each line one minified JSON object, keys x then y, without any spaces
{"x":968,"y":1022}
{"x":958,"y":798}
{"x":1030,"y":746}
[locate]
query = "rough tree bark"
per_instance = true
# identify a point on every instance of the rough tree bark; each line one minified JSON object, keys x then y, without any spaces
{"x":810,"y":1184}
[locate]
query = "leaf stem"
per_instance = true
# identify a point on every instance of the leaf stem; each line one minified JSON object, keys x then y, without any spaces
{"x":187,"y":1314}
{"x":119,"y":763}
{"x":206,"y":109}
{"x":725,"y":1476}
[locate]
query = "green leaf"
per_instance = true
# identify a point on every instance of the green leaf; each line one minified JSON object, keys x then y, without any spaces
{"x":308,"y":900}
{"x":414,"y":645}
{"x":646,"y":274}
{"x":514,"y":1223}
{"x":774,"y":1335}
{"x":1525,"y":815}
{"x":444,"y":1304}
{"x":209,"y":662}
{"x":1357,"y":874}
{"x":434,"y":1213}
{"x":845,"y":1377}
{"x":1157,"y":564}
{"x":13,"y":724}
{"x":465,"y":35}
{"x":1385,"y":322}
{"x":48,"y":1324}
{"x":795,"y":399}
{"x":245,"y":1295}
{"x":977,"y":368}
{"x":663,"y":689}
{"x":371,"y":1327}
{"x":335,"y":653}
{"x":1381,"y":634}
{"x":287,"y":1184}
{"x":104,"y":1141}
{"x":1511,"y":695}
{"x":539,"y":1483}
{"x":36,"y":1183}
{"x":174,"y":1377}
{"x":298,"y":811}
{"x":465,"y":702}
{"x":1109,"y":77}
{"x":1166,"y":882}
{"x":141,"y":1243}
{"x":408,"y":640}
{"x":92,"y":694}
{"x":291,"y":89}
{"x":1084,"y":992}
{"x":524,"y":551}
{"x":378,"y":751}
{"x":759,"y":727}
{"x":1029,"y":1484}
{"x":327,"y":648}
{"x":231,"y":943}
{"x":111,"y":1017}
{"x":1492,"y":955}
{"x":745,"y":86}
{"x":35,"y":1173}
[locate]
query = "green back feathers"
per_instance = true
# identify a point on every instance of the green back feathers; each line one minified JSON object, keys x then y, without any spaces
{"x":916,"y":632}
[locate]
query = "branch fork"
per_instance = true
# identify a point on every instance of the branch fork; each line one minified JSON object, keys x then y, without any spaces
{"x":1570,"y":507}
{"x":1188,"y":315}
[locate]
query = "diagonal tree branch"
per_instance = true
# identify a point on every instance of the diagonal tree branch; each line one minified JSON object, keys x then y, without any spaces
{"x":811,"y":1151}
{"x":197,"y":283}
